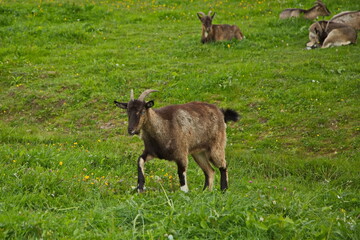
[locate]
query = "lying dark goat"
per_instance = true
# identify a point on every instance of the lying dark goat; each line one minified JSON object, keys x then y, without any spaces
{"x":173,"y":132}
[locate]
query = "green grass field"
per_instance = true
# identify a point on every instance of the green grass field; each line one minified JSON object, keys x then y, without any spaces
{"x":68,"y":167}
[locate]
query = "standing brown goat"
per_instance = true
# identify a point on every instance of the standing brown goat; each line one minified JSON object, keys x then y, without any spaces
{"x":173,"y":132}
{"x":319,"y":9}
{"x":217,"y":32}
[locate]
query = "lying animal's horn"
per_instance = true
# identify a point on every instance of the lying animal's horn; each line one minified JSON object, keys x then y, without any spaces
{"x":209,"y":13}
{"x":202,"y":14}
{"x":327,"y":25}
{"x":131,"y":95}
{"x":145,"y":93}
{"x":321,"y":29}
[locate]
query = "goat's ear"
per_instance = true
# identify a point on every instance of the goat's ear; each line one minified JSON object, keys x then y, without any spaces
{"x":212,"y":16}
{"x":149,"y":104}
{"x":121,"y":105}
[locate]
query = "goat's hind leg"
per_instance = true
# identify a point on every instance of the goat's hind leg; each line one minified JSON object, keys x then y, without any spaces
{"x":203,"y":161}
{"x":238,"y":34}
{"x":182,"y":167}
{"x":224,"y":178}
{"x":218,"y":159}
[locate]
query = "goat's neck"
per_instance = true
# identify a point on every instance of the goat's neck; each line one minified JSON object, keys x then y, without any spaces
{"x":205,"y":34}
{"x":154,"y":123}
{"x":310,"y":13}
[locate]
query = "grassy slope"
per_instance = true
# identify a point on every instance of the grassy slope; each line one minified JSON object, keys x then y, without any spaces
{"x":67,"y":165}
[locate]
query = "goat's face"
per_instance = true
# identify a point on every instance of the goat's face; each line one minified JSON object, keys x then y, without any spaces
{"x":319,"y":32}
{"x":137,"y":114}
{"x":206,"y":21}
{"x":317,"y":38}
{"x":321,"y":35}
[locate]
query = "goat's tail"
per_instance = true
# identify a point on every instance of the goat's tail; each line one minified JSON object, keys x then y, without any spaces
{"x":230,"y":115}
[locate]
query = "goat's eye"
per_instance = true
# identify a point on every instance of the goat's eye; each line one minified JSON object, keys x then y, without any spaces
{"x":142,"y":112}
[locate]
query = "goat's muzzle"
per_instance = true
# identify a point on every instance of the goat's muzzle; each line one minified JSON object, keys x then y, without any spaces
{"x":133,"y":131}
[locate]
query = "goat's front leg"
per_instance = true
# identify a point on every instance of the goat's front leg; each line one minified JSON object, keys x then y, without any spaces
{"x":141,"y":177}
{"x":182,"y":166}
{"x":141,"y":171}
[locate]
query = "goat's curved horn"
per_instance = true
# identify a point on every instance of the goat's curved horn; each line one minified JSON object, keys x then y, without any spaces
{"x":131,"y":95}
{"x":327,"y":26}
{"x":209,"y":13}
{"x":201,"y":13}
{"x":321,"y":28}
{"x":145,"y":93}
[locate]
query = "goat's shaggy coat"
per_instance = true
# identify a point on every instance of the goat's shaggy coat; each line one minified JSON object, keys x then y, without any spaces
{"x":217,"y":32}
{"x":173,"y":132}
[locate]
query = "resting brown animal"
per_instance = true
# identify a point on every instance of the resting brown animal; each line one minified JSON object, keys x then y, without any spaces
{"x":319,"y":9}
{"x":217,"y":32}
{"x":326,"y":34}
{"x":173,"y":132}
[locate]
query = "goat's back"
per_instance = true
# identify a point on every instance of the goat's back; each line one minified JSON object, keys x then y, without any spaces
{"x":350,"y":18}
{"x":291,"y":12}
{"x":198,"y":113}
{"x":224,"y":32}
